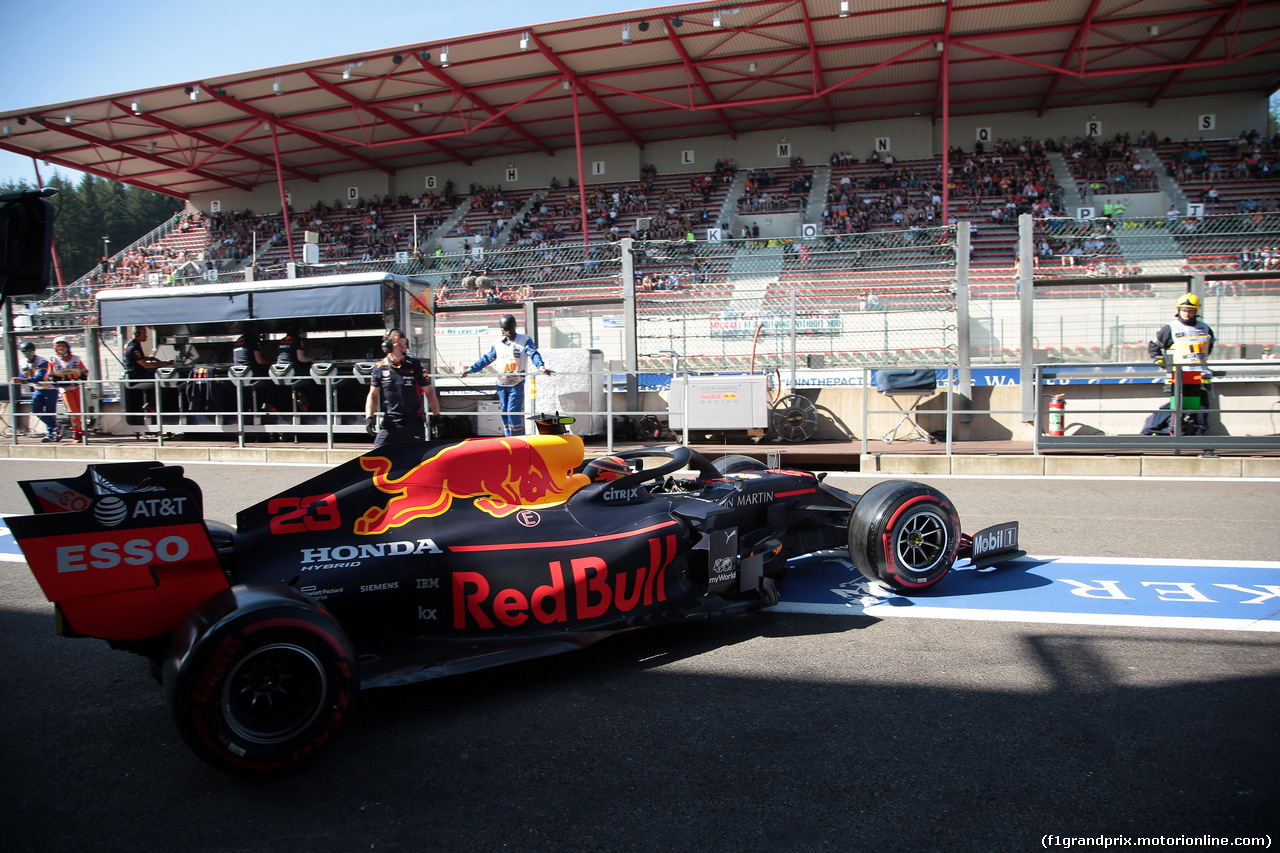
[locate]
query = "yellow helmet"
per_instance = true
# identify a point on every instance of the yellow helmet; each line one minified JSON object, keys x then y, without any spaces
{"x":1189,"y":300}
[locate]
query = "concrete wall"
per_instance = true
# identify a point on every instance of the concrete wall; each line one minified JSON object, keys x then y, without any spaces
{"x":1090,"y":409}
{"x":1173,"y":119}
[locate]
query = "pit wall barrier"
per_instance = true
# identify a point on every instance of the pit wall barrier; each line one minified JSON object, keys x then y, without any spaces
{"x":1106,"y":406}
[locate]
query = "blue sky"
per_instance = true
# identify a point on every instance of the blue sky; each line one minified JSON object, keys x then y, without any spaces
{"x":73,"y":49}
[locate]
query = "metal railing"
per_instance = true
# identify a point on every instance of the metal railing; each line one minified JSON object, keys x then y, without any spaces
{"x":1213,"y":439}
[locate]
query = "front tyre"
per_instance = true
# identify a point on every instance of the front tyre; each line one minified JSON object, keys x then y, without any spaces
{"x":259,"y":679}
{"x":736,"y":464}
{"x":904,"y":535}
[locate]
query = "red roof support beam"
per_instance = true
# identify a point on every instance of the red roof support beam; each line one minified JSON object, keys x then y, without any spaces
{"x":381,"y":116}
{"x":130,"y":151}
{"x":273,"y":121}
{"x":96,"y":172}
{"x":815,"y":61}
{"x":944,"y":84}
{"x":57,"y":265}
{"x":1086,"y":25}
{"x":285,"y":218}
{"x":692,"y":70}
{"x":461,"y":91}
{"x":554,"y":58}
{"x":582,"y":183}
{"x":1208,"y":38}
{"x":216,"y":144}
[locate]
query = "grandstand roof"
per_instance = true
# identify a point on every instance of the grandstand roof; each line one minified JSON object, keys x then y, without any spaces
{"x":681,"y":71}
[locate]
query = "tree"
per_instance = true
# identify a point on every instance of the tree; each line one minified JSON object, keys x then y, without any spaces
{"x":97,"y":208}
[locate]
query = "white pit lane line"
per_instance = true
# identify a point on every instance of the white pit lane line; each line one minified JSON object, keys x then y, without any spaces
{"x":1201,"y":594}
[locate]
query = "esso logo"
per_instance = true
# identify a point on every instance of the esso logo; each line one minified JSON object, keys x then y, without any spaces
{"x":134,"y":552}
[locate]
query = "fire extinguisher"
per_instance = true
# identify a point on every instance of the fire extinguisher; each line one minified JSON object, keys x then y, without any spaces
{"x":1057,"y":413}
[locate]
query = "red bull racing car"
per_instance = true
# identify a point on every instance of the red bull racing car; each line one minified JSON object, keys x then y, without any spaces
{"x":418,"y":561}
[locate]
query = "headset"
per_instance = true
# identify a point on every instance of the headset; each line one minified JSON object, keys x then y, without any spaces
{"x":386,"y":339}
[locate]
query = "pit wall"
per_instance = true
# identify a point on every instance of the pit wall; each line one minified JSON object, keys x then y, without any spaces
{"x":994,"y":411}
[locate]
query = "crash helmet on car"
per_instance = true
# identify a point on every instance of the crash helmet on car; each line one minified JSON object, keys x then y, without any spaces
{"x":62,"y":339}
{"x":507,"y":323}
{"x":606,"y":469}
{"x":1189,"y":300}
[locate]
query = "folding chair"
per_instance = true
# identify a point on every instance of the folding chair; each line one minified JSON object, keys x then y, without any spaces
{"x":917,"y":383}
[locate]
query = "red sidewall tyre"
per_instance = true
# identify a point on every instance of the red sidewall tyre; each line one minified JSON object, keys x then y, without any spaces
{"x":259,"y":680}
{"x":904,"y":535}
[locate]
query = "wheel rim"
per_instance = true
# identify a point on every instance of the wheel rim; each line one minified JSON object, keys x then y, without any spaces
{"x":274,"y":693}
{"x":794,"y":418}
{"x":922,"y":542}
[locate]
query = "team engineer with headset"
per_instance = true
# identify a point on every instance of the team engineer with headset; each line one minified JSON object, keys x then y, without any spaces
{"x":397,"y":387}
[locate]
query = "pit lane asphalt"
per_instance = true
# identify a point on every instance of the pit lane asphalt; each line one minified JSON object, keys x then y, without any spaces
{"x":774,"y":731}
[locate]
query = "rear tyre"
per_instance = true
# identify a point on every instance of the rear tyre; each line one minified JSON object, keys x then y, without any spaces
{"x":259,"y":680}
{"x":904,"y":535}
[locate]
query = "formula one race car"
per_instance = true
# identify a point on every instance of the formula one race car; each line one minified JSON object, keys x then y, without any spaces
{"x":418,"y":561}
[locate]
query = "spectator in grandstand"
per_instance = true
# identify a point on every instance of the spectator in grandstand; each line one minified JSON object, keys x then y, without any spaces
{"x":1191,"y":340}
{"x":139,"y":370}
{"x":512,"y":353}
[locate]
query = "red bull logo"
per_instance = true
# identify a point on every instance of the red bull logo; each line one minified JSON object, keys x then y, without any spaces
{"x":502,"y":475}
{"x":584,"y":589}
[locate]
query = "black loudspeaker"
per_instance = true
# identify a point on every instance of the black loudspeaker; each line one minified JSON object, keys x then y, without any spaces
{"x":26,"y":242}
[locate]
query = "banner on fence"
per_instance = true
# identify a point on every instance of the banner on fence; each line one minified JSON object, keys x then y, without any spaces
{"x":745,"y":327}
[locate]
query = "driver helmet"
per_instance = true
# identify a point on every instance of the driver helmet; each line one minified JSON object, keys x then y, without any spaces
{"x":62,"y":339}
{"x":606,"y":469}
{"x":1191,"y":301}
{"x":507,"y":323}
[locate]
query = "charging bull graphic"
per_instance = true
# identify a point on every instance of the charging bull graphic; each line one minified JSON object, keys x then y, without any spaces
{"x":502,"y":475}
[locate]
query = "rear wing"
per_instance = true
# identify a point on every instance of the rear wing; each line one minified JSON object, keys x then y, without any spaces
{"x":121,"y":550}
